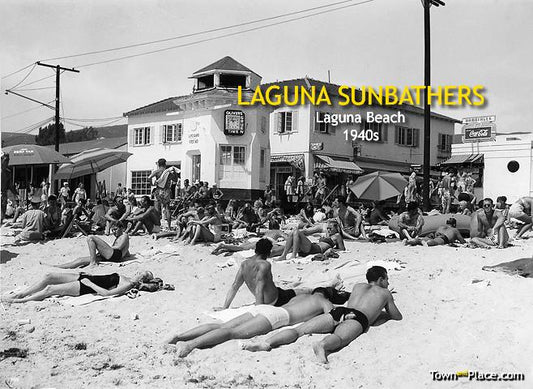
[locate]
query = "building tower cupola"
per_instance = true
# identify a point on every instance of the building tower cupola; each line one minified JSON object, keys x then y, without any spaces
{"x":226,"y":73}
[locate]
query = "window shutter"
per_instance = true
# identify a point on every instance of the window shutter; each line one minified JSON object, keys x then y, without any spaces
{"x":384,"y":135}
{"x":316,"y":126}
{"x":163,"y":134}
{"x":416,"y":135}
{"x":152,"y":135}
{"x":331,"y":129}
{"x":294,"y":121}
{"x":397,"y":134}
{"x":131,"y":136}
{"x":278,"y":119}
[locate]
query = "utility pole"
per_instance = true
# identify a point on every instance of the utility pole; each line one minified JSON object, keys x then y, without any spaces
{"x":427,"y":113}
{"x":58,"y":69}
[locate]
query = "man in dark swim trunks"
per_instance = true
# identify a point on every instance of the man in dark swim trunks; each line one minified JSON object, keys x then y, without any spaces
{"x":446,"y":234}
{"x":364,"y":307}
{"x":99,"y":250}
{"x":256,"y":272}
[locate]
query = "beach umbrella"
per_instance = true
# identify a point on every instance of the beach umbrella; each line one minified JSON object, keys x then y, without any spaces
{"x":33,"y":155}
{"x":379,"y":185}
{"x":90,"y":162}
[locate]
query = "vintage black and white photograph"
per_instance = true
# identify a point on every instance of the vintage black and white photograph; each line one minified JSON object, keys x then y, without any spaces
{"x":266,"y":194}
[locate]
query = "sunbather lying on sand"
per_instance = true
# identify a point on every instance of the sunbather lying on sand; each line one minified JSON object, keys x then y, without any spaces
{"x":261,"y":319}
{"x":77,"y":284}
{"x":272,"y":235}
{"x":301,"y":245}
{"x":100,"y":251}
{"x":446,"y":234}
{"x":363,"y":309}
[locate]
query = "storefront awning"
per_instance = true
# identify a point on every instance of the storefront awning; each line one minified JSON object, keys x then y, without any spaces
{"x":296,"y":160}
{"x":463,"y":158}
{"x":336,"y":165}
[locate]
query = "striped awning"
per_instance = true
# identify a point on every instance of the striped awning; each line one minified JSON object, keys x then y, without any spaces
{"x":324,"y":162}
{"x":460,"y":159}
{"x":296,"y":160}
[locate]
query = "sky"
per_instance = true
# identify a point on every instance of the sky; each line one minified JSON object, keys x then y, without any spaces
{"x":474,"y":42}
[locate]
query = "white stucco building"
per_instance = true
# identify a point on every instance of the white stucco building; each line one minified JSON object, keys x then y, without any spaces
{"x":503,"y":165}
{"x":205,"y":134}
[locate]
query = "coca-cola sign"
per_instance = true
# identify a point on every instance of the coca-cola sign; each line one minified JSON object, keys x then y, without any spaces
{"x":479,"y":132}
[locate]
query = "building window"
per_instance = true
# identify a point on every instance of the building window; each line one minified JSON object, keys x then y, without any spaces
{"x":172,"y":133}
{"x":141,"y":136}
{"x":140,"y":185}
{"x":407,"y":136}
{"x":232,"y":162}
{"x":445,"y":143}
{"x":320,"y":126}
{"x":379,"y":128}
{"x":286,"y":122}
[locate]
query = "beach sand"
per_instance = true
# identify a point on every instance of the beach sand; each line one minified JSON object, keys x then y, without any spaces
{"x":456,"y":317}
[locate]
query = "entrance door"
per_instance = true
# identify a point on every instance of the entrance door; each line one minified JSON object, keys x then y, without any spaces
{"x":196,"y":167}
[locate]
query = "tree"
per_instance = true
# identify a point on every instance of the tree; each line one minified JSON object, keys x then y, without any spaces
{"x":87,"y":133}
{"x":46,"y":135}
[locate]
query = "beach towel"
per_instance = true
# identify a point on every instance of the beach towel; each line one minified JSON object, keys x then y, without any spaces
{"x":228,"y":314}
{"x":76,"y":301}
{"x":168,"y":174}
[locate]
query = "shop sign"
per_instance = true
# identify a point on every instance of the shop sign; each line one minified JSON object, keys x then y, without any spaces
{"x":317,"y":146}
{"x":233,"y":122}
{"x":480,"y":119}
{"x":479,"y":132}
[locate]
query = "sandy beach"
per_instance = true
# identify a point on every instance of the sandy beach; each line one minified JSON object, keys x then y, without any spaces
{"x":456,"y":317}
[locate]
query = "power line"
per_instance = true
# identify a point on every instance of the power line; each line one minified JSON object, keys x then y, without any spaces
{"x":27,"y":110}
{"x":96,"y":120}
{"x":18,"y":71}
{"x":27,"y":75}
{"x":32,"y":127}
{"x":222,"y":36}
{"x":200,"y":32}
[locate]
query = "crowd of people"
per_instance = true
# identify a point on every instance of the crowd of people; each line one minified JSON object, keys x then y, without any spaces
{"x":197,"y":213}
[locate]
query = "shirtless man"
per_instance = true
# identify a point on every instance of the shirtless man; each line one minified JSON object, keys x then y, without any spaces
{"x":350,"y":220}
{"x":487,"y":227}
{"x":521,"y":210}
{"x":410,"y":223}
{"x":257,"y":274}
{"x":261,"y":319}
{"x":149,"y":218}
{"x":100,"y":251}
{"x":446,"y":234}
{"x":163,"y":181}
{"x":364,"y":308}
{"x":272,"y":235}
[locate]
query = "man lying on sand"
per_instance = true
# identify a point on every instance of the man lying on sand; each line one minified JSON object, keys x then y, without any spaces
{"x":100,"y":251}
{"x":363,"y":309}
{"x":78,"y":284}
{"x":301,"y":245}
{"x":446,"y":234}
{"x":487,"y":227}
{"x":261,"y":319}
{"x":272,"y":235}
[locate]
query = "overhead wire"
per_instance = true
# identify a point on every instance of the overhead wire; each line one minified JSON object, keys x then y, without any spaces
{"x":199,"y":32}
{"x":27,"y":110}
{"x":222,"y":36}
{"x":18,"y":71}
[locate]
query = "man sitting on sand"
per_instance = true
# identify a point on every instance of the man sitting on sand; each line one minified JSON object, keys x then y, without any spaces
{"x":260,"y":319}
{"x":364,"y":308}
{"x":446,"y":234}
{"x":115,"y":214}
{"x":257,"y":274}
{"x":410,"y":223}
{"x":149,"y":218}
{"x":487,"y":227}
{"x":350,"y":220}
{"x":100,"y":251}
{"x":521,"y":210}
{"x":32,"y":223}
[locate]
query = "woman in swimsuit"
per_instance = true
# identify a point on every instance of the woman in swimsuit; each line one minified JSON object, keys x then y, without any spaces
{"x":77,"y":284}
{"x":300,"y":243}
{"x":521,"y":210}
